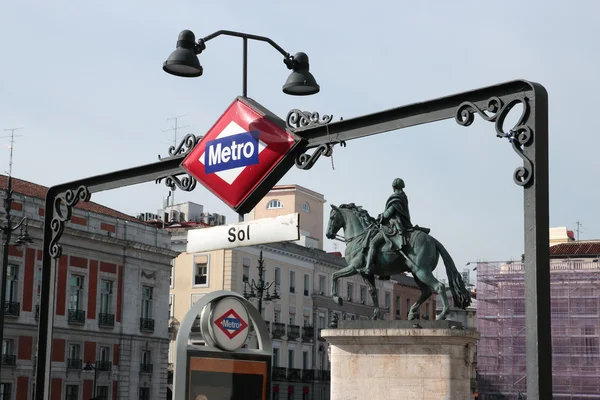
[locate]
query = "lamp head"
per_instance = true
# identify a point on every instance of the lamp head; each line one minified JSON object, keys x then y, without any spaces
{"x":300,"y":82}
{"x":184,"y":60}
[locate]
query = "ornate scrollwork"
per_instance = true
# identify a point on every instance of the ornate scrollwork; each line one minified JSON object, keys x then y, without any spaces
{"x":149,"y":275}
{"x":297,"y":119}
{"x":519,"y":136}
{"x":68,"y":200}
{"x":187,"y":183}
{"x":185,"y":146}
{"x":306,"y":161}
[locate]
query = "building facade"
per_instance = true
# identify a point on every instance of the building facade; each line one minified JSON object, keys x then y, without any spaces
{"x":575,"y":294}
{"x":111,"y":305}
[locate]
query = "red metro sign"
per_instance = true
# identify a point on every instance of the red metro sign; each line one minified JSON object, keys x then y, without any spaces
{"x":243,"y":155}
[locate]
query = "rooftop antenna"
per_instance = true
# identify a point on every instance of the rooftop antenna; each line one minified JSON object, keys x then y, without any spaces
{"x":12,"y":137}
{"x":174,"y":129}
{"x":578,"y":229}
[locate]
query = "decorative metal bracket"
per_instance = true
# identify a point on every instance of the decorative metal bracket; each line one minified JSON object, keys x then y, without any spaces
{"x":297,"y":119}
{"x":68,"y":200}
{"x":306,"y":161}
{"x":519,"y":136}
{"x":185,"y":146}
{"x":149,"y":275}
{"x":187,"y":183}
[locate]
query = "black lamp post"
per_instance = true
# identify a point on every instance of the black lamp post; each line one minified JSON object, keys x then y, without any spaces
{"x":184,"y":62}
{"x":260,"y":289}
{"x":89,"y":367}
{"x":23,"y":239}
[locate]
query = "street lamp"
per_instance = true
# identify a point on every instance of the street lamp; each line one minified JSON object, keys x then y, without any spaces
{"x":89,"y":367}
{"x":184,"y":62}
{"x":261,"y":287}
{"x":22,"y":239}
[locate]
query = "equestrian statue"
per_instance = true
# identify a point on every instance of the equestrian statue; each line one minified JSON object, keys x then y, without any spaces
{"x":391,"y":245}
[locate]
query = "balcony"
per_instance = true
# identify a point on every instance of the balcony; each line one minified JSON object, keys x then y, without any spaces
{"x":9,"y":359}
{"x":104,"y":365}
{"x":12,"y":308}
{"x":37,"y":312}
{"x":278,"y":329}
{"x":279,"y":373}
{"x":146,"y":325}
{"x":106,"y":320}
{"x":146,"y":368}
{"x":77,"y":317}
{"x":322,"y":375}
{"x":308,"y":332}
{"x":308,"y":375}
{"x":292,"y":289}
{"x":294,"y":374}
{"x":74,"y":363}
{"x":293,"y":332}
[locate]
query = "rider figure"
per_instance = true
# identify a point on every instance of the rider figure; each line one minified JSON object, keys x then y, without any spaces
{"x":397,"y":217}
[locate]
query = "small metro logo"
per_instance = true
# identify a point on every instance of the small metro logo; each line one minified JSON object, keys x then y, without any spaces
{"x":231,"y":324}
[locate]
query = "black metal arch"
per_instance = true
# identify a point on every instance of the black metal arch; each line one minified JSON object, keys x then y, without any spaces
{"x":528,"y":138}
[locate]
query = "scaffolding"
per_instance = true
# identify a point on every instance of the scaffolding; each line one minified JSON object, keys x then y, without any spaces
{"x":575,"y":304}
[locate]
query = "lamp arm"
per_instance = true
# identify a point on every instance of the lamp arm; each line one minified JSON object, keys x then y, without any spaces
{"x":14,"y":228}
{"x":246,"y":36}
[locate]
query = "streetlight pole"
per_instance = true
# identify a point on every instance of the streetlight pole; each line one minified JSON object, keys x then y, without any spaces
{"x":88,"y":367}
{"x":7,"y":231}
{"x":258,"y":290}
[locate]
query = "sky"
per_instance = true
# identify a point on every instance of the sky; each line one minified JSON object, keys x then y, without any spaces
{"x":85,"y":81}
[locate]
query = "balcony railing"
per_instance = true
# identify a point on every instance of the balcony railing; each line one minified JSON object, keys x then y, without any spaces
{"x":308,"y":332}
{"x":146,"y":368}
{"x":293,"y":332}
{"x":74,"y":363}
{"x":9,"y":359}
{"x":308,"y":374}
{"x":12,"y":308}
{"x":146,"y":325}
{"x":77,"y":317}
{"x":104,"y":365}
{"x":279,"y":373}
{"x":294,"y":374}
{"x":322,"y":375}
{"x":278,"y":329}
{"x":106,"y":320}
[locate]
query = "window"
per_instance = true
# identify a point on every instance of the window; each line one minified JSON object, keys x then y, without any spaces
{"x":201,"y":270}
{"x":306,"y":207}
{"x":292,"y":282}
{"x":276,"y":316}
{"x":102,"y":392}
{"x":407,"y":306}
{"x":388,"y":300}
{"x":277,"y":279}
{"x":12,"y":273}
{"x":305,"y":360}
{"x":274,"y":204}
{"x":426,"y":314}
{"x":144,"y":393}
{"x":171,"y":306}
{"x":306,"y":320}
{"x":275,"y":357}
{"x":74,"y":353}
{"x":104,"y":354}
{"x":321,"y":321}
{"x":71,"y":392}
{"x":363,"y":294}
{"x":245,"y":270}
{"x":306,"y":285}
{"x":7,"y":347}
{"x":397,"y":305}
{"x":291,"y":356}
{"x":292,"y":317}
{"x":105,"y":296}
{"x":147,"y":302}
{"x":171,"y":280}
{"x":4,"y":391}
{"x":146,"y":357}
{"x":322,"y":284}
{"x":76,"y":299}
{"x":350,"y":290}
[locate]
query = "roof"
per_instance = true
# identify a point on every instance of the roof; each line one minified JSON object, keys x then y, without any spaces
{"x":38,"y":191}
{"x":578,"y":248}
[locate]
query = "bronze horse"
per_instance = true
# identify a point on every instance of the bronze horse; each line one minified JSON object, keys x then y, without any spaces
{"x":420,"y":257}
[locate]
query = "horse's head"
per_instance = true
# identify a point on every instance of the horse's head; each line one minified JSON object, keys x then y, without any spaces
{"x":336,"y":222}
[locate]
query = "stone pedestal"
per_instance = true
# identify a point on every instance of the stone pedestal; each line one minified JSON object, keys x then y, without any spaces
{"x":394,"y":360}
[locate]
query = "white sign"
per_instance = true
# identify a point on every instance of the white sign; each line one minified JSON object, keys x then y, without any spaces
{"x":249,"y":233}
{"x":229,"y":324}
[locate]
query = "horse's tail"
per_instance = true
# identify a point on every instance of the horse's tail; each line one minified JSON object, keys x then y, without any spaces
{"x":460,"y":294}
